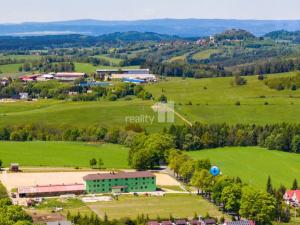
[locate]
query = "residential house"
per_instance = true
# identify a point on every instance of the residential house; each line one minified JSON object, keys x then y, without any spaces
{"x":292,"y":197}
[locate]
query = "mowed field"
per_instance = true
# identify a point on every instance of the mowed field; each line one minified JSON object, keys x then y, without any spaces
{"x":213,"y":100}
{"x":177,"y":205}
{"x":81,"y":114}
{"x":254,"y":164}
{"x":62,"y":154}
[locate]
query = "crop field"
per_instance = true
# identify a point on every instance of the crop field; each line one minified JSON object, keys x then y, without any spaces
{"x":214,"y":100}
{"x":62,"y":154}
{"x":205,"y":54}
{"x":177,"y":205}
{"x":253,"y":164}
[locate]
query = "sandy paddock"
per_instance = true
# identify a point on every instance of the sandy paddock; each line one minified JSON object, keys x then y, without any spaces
{"x":15,"y":180}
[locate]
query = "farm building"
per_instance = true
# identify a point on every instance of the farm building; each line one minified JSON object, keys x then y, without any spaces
{"x":120,"y":182}
{"x":69,"y":76}
{"x":134,"y":81}
{"x":94,"y":84}
{"x":29,"y":78}
{"x":123,"y":71}
{"x":143,"y":74}
{"x":144,"y":77}
{"x":50,"y":190}
{"x":45,"y":77}
{"x":292,"y":197}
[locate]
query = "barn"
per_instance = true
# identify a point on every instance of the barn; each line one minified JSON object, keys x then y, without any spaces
{"x":50,"y":190}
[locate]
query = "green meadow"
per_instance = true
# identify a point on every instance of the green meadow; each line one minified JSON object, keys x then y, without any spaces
{"x":213,"y":100}
{"x":164,"y":206}
{"x":81,"y":114}
{"x":114,"y":61}
{"x":205,"y":54}
{"x":62,"y":154}
{"x":10,"y":68}
{"x":254,"y":164}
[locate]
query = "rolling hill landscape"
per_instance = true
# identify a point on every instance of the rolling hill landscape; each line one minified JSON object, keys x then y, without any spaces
{"x":149,"y":121}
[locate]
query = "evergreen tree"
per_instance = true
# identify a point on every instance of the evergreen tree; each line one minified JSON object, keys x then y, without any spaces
{"x":295,"y":185}
{"x":269,"y":186}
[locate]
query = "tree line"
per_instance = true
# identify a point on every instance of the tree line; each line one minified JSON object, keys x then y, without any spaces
{"x":282,"y":83}
{"x":283,"y":137}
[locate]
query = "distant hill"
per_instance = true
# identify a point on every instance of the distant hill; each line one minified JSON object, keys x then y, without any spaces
{"x":77,"y":40}
{"x":180,"y":27}
{"x":284,"y":35}
{"x":235,"y":34}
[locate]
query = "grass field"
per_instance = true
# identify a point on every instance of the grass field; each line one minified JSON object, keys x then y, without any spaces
{"x":81,"y":114}
{"x":114,"y":61}
{"x":205,"y":54}
{"x":178,"y":58}
{"x":10,"y":68}
{"x":178,"y":205}
{"x":213,"y":100}
{"x":62,"y":154}
{"x":254,"y":164}
{"x":21,"y":57}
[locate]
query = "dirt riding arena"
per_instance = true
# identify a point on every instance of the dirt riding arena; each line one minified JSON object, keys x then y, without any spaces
{"x":15,"y":180}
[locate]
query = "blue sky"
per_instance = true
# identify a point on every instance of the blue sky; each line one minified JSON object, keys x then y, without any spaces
{"x":15,"y":11}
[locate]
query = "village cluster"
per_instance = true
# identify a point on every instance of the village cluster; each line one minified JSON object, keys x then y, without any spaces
{"x":136,"y":76}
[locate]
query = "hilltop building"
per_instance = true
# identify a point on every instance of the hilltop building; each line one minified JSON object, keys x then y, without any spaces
{"x":120,"y":182}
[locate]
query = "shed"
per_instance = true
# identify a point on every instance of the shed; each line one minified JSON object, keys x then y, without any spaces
{"x":14,"y":167}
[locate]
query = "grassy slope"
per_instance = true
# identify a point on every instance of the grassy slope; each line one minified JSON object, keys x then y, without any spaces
{"x":62,"y":154}
{"x":130,"y":206}
{"x":254,"y":164}
{"x":216,"y":104}
{"x":82,"y":114}
{"x":10,"y":68}
{"x":204,"y":54}
{"x":114,"y":61}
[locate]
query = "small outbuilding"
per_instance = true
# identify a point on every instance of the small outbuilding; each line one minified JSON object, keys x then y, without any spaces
{"x":14,"y":167}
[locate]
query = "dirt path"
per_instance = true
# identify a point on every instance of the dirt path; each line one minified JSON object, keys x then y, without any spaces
{"x":157,"y":106}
